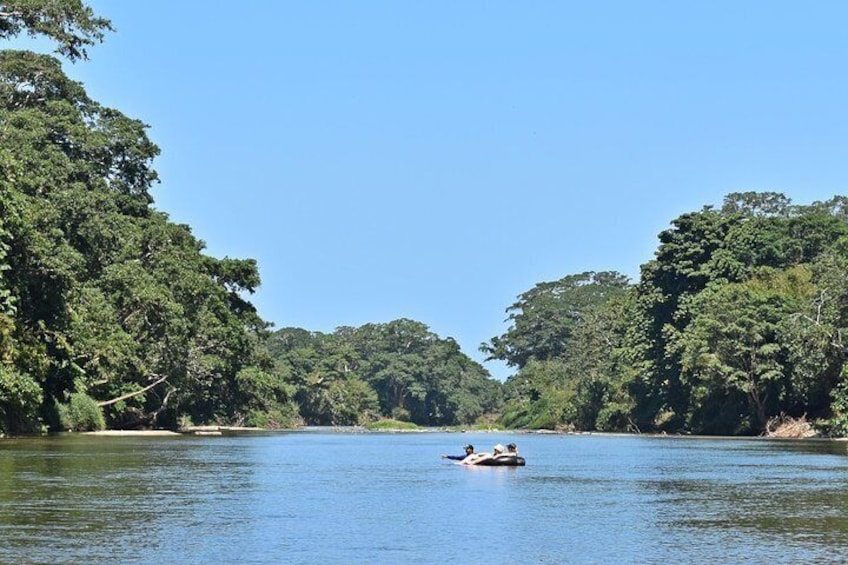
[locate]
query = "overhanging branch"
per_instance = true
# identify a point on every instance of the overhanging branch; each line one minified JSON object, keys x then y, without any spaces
{"x":131,"y":394}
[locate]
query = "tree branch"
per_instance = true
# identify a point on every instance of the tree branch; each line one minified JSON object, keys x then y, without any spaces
{"x":155,"y":414}
{"x":131,"y":394}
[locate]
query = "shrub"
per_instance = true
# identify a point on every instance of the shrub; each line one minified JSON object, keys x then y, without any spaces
{"x":184,"y":422}
{"x":515,"y":418}
{"x":401,"y":414}
{"x":81,"y":414}
{"x":391,"y":425}
{"x":613,"y":418}
{"x":283,"y":416}
{"x":20,"y":398}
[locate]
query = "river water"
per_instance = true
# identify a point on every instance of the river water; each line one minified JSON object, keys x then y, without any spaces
{"x":323,"y":497}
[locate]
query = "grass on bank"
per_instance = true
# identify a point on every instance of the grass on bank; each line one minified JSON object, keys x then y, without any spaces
{"x":390,"y":424}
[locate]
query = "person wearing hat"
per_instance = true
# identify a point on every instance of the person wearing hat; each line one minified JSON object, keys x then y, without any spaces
{"x":511,"y":450}
{"x":469,"y":450}
{"x":477,"y":458}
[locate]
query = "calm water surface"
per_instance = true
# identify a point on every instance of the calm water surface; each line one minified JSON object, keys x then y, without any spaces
{"x":319,"y":497}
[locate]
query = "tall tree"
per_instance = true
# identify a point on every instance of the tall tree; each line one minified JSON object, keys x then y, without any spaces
{"x":732,"y":356}
{"x":100,"y":294}
{"x":564,"y":341}
{"x":545,"y":316}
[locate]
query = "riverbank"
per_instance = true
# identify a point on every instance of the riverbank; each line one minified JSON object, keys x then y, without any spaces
{"x":216,"y":430}
{"x":128,"y":433}
{"x":190,"y":430}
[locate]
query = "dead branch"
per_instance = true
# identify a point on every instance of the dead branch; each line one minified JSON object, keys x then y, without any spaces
{"x":783,"y":426}
{"x":155,"y":414}
{"x":132,"y":394}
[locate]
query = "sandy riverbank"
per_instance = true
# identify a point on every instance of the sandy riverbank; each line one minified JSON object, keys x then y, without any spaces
{"x":192,"y":430}
{"x":132,"y":433}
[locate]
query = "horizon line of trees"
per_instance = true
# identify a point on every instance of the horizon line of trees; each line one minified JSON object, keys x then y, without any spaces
{"x":398,"y":370}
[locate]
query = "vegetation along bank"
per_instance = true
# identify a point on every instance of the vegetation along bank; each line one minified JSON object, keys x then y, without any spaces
{"x":113,"y":316}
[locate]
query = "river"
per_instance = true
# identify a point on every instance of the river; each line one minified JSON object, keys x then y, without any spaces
{"x":324,"y":497}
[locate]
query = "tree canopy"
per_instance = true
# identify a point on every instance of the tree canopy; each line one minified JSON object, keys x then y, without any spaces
{"x":70,"y":23}
{"x":100,"y":294}
{"x":738,"y":320}
{"x":397,"y":370}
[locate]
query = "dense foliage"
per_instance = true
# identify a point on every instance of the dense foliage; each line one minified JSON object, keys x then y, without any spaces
{"x":563,"y":341}
{"x":397,"y":370}
{"x":738,"y":320}
{"x":105,"y":303}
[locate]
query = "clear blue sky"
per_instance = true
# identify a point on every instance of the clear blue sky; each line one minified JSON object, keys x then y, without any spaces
{"x":433,"y":160}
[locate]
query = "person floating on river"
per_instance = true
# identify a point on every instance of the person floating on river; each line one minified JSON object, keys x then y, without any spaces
{"x":469,"y":450}
{"x":477,"y":458}
{"x":511,"y":450}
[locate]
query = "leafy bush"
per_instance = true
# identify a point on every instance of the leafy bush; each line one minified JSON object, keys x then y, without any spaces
{"x":20,"y":398}
{"x":515,"y":418}
{"x":284,"y":416}
{"x":391,"y":425}
{"x":81,"y":414}
{"x":486,"y":422}
{"x":543,"y":421}
{"x":837,"y":425}
{"x":613,"y":418}
{"x":483,"y":427}
{"x":184,"y":421}
{"x":401,"y":414}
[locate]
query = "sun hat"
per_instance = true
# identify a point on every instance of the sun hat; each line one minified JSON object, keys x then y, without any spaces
{"x":499,"y":448}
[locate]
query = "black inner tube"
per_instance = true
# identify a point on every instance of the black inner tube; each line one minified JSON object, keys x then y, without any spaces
{"x":504,"y":461}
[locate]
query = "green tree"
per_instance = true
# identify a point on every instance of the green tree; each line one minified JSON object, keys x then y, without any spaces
{"x":731,"y":356}
{"x":70,"y":23}
{"x":100,"y":294}
{"x":399,"y":369}
{"x":705,"y":250}
{"x":545,"y":316}
{"x":565,"y":339}
{"x":539,"y":395}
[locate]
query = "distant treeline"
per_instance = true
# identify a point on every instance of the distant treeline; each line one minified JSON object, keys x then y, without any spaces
{"x":112,"y":315}
{"x":399,"y":370}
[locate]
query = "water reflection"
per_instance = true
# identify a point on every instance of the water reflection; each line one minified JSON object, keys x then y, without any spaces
{"x":74,"y":499}
{"x":756,"y":495}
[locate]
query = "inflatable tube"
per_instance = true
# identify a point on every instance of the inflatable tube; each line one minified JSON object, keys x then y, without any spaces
{"x":504,"y":461}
